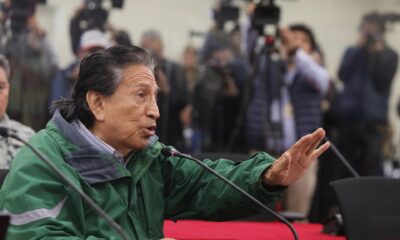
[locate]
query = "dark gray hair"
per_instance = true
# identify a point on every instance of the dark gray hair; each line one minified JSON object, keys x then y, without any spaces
{"x":5,"y":65}
{"x":100,"y":72}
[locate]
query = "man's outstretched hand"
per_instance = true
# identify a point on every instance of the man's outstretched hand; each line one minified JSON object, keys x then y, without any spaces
{"x":292,"y":164}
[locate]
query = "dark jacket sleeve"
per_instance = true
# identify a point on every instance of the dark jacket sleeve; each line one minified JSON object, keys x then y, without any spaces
{"x":349,"y":62}
{"x":192,"y":192}
{"x":383,"y":68}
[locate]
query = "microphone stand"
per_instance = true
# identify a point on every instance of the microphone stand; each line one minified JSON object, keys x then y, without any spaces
{"x":342,"y":158}
{"x":166,"y":151}
{"x":5,"y":132}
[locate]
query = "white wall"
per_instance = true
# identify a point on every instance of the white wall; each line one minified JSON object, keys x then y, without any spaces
{"x":335,"y":23}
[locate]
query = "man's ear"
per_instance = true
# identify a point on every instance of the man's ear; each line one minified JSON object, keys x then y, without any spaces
{"x":95,"y":102}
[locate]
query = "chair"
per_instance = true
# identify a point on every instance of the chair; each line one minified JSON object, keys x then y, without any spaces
{"x":370,"y":207}
{"x":3,"y":174}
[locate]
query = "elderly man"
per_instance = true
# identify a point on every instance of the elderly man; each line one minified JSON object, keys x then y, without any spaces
{"x":103,"y":139}
{"x":8,"y":147}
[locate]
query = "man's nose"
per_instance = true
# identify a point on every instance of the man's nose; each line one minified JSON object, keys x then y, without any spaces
{"x":153,"y":111}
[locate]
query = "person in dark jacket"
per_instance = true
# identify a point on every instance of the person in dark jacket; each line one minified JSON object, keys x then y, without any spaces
{"x":361,"y":110}
{"x":103,"y":139}
{"x":33,"y":65}
{"x":307,"y":82}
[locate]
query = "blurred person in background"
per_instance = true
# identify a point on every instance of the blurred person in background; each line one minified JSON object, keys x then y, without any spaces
{"x":33,"y":64}
{"x":307,"y":82}
{"x":219,"y":103}
{"x":191,"y":68}
{"x":91,"y":41}
{"x":361,"y":109}
{"x":122,"y":38}
{"x":285,"y":104}
{"x":218,"y":95}
{"x":190,"y":64}
{"x":173,"y":94}
{"x":9,"y":147}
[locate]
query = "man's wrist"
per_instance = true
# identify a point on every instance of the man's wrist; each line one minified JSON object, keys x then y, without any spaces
{"x":268,"y":184}
{"x":275,"y":188}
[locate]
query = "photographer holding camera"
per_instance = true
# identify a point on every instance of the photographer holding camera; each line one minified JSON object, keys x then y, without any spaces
{"x":367,"y":71}
{"x":218,"y":94}
{"x":286,"y":103}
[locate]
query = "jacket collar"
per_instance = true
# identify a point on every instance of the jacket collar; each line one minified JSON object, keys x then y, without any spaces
{"x":92,"y":165}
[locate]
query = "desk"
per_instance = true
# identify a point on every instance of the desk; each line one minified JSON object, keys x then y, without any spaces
{"x":202,"y":230}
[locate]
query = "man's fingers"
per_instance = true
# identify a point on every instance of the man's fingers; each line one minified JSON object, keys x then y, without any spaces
{"x":317,"y":137}
{"x":309,"y":142}
{"x":302,"y":142}
{"x":320,"y":151}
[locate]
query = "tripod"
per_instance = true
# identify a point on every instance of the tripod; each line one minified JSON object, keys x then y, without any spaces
{"x":266,"y":82}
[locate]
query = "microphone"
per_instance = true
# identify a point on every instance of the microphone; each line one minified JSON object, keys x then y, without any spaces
{"x":5,"y":132}
{"x":342,"y":158}
{"x":172,"y":152}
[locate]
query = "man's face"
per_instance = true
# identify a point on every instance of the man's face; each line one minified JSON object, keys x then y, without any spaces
{"x":221,"y":58}
{"x":369,"y":28}
{"x":190,"y":59}
{"x":4,"y":90}
{"x":129,"y":115}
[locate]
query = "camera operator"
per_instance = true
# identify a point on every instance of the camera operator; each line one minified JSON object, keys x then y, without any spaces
{"x":286,"y":104}
{"x":218,"y":95}
{"x":32,"y":63}
{"x":367,"y":71}
{"x":307,"y":83}
{"x":173,"y":94}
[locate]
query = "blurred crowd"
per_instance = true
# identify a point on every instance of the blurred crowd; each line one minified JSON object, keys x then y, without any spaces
{"x":243,"y":91}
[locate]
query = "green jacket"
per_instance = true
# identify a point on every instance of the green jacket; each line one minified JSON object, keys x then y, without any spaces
{"x":138,"y":196}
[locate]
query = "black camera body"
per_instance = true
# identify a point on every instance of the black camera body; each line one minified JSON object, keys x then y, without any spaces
{"x":265,"y":13}
{"x":18,"y":13}
{"x":95,"y":15}
{"x":92,"y":16}
{"x":381,"y":20}
{"x":225,"y":12}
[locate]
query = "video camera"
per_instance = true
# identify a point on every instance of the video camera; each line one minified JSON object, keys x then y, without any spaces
{"x":225,"y":12}
{"x":265,"y":14}
{"x":18,"y":13}
{"x":381,"y":20}
{"x":93,"y":16}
